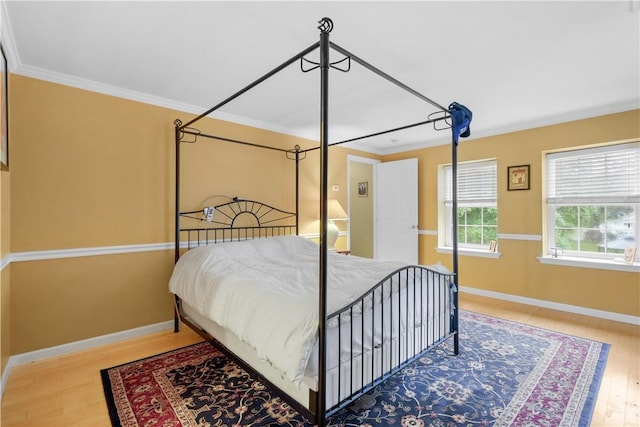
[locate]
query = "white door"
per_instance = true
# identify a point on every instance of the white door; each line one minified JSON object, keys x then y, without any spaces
{"x":396,"y":209}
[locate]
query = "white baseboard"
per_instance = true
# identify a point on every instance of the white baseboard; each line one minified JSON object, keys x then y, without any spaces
{"x":45,"y":353}
{"x":33,"y":356}
{"x":608,"y":315}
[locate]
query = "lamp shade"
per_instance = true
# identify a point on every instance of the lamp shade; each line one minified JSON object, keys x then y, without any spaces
{"x":335,"y":211}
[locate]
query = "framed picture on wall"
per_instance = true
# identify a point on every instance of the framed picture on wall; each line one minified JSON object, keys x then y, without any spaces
{"x":4,"y":112}
{"x":518,"y":177}
{"x":630,"y":255}
{"x":363,"y":189}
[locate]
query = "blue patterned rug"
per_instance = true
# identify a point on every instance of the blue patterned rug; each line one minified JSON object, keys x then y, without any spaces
{"x":507,"y":374}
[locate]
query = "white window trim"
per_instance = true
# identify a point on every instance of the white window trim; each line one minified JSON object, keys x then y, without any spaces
{"x":593,"y":263}
{"x":469,"y":252}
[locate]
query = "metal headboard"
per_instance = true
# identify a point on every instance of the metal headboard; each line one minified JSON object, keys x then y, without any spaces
{"x":239,"y":219}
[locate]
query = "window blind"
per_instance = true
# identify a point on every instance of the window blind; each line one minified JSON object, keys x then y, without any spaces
{"x":595,"y":175}
{"x":477,"y":182}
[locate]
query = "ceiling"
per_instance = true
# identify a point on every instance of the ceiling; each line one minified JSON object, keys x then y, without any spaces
{"x":515,"y":64}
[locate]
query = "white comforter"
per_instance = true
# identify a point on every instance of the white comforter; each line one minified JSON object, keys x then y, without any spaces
{"x":266,"y":292}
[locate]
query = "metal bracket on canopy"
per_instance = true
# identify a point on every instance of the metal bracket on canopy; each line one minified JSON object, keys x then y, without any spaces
{"x":186,"y":131}
{"x":326,"y":25}
{"x":294,"y":153}
{"x":333,"y":65}
{"x":440,"y":116}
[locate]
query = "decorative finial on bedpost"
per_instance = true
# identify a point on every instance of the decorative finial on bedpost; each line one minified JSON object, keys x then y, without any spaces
{"x":177,"y":123}
{"x":326,"y":25}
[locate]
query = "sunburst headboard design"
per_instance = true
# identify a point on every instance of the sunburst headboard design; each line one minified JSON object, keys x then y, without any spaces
{"x":239,"y":219}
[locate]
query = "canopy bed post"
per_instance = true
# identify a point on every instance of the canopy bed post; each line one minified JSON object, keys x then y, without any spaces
{"x":454,"y":238}
{"x":176,"y":308}
{"x":297,"y":148}
{"x":326,"y":25}
{"x":177,"y":123}
{"x":460,"y":127}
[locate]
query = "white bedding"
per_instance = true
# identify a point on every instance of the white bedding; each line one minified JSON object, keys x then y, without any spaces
{"x":251,"y":288}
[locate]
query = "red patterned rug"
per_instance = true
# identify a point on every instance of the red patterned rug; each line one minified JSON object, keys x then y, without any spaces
{"x":196,"y":385}
{"x":507,"y":374}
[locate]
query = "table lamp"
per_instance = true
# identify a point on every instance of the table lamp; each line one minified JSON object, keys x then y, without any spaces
{"x":335,"y":212}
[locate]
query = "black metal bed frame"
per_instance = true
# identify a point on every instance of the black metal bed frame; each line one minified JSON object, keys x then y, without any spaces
{"x":268,"y":221}
{"x":442,"y":115}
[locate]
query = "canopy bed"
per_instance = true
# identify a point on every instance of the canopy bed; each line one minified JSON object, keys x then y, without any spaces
{"x":323,"y":328}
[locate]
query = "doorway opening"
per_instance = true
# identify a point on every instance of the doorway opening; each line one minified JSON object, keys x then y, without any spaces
{"x":361,"y":196}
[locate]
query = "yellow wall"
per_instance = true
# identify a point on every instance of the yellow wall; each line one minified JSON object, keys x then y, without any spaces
{"x":518,"y":271}
{"x":90,"y":170}
{"x":5,"y":274}
{"x":5,"y":250}
{"x":65,"y":300}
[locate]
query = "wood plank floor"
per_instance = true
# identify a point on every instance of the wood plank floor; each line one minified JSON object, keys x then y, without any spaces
{"x":67,"y":391}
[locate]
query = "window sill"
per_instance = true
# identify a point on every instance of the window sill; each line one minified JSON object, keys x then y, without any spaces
{"x":600,"y":264}
{"x":470,"y":252}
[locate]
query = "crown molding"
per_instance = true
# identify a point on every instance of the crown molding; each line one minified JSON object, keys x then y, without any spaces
{"x":602,"y":110}
{"x":132,"y":95}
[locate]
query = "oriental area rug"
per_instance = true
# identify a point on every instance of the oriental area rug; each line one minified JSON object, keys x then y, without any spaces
{"x":507,"y":374}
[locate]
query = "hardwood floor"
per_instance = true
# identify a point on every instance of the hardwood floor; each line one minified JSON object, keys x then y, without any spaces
{"x":67,"y":391}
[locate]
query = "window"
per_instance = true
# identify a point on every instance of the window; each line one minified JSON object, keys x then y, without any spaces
{"x":477,"y":204}
{"x":593,"y":201}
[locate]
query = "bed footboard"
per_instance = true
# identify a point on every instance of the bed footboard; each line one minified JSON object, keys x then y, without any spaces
{"x":409,"y":312}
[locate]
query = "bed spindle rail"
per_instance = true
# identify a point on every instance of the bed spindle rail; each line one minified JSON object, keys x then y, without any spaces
{"x":409,"y":312}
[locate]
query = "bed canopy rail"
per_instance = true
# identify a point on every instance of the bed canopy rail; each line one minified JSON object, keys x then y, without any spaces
{"x":384,"y":132}
{"x":386,"y":76}
{"x":196,"y":133}
{"x":455,"y":117}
